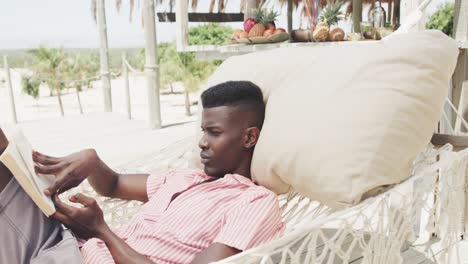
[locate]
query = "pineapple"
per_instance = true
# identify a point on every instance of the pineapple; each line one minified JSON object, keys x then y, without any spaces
{"x":259,"y":28}
{"x":269,"y":19}
{"x":331,"y":15}
{"x":264,"y":20}
{"x":259,"y":15}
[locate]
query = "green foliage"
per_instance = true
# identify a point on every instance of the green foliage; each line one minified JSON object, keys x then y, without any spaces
{"x":49,"y":65}
{"x":170,"y":65}
{"x":82,"y":69}
{"x":55,"y":66}
{"x":210,"y":34}
{"x":442,"y":19}
{"x":30,"y":86}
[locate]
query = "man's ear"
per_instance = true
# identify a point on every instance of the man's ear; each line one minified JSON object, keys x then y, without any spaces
{"x":251,"y":137}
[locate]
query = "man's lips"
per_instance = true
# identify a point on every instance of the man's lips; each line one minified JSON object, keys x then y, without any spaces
{"x":204,"y":158}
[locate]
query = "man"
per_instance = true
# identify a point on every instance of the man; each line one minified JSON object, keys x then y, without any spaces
{"x":188,"y":216}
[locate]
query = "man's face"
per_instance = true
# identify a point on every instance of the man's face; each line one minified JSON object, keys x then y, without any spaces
{"x":222,"y":143}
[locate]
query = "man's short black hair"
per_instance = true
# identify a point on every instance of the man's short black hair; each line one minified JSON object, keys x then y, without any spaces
{"x":243,"y":94}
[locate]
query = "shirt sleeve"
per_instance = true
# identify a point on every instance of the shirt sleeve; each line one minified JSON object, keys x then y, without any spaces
{"x":256,"y":219}
{"x":154,"y":183}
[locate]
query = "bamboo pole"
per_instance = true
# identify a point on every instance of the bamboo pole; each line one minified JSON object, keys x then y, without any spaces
{"x":127,"y":85}
{"x":104,"y":52}
{"x":10,"y":90}
{"x":151,"y":66}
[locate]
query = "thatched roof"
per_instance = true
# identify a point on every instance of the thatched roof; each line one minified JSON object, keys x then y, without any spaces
{"x":221,"y":5}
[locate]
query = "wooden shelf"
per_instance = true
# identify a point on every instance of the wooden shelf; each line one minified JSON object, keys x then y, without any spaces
{"x":209,"y":52}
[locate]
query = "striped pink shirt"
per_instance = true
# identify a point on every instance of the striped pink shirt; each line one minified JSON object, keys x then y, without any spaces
{"x":231,"y":210}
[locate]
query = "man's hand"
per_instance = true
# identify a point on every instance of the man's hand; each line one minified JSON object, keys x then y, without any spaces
{"x":3,"y":141}
{"x":69,"y":171}
{"x":86,"y":222}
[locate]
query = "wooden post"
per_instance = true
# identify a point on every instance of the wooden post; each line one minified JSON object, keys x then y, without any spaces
{"x":396,"y":14}
{"x":181,"y":25}
{"x":127,"y":85}
{"x":465,"y":219}
{"x":459,"y":80}
{"x":389,"y":11}
{"x":57,"y":87}
{"x":290,"y":19}
{"x":79,"y":100}
{"x":151,"y":66}
{"x":249,"y":8}
{"x":357,"y":15}
{"x":10,"y":90}
{"x":105,"y":74}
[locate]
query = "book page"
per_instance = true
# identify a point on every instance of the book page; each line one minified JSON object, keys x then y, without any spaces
{"x":42,"y":181}
{"x":21,"y":151}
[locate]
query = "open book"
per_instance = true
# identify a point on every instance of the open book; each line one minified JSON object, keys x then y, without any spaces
{"x":17,"y":157}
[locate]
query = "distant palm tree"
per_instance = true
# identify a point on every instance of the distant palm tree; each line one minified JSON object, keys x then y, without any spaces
{"x":48,"y":66}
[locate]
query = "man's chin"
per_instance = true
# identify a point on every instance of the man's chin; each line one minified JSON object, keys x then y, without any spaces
{"x":210,"y":171}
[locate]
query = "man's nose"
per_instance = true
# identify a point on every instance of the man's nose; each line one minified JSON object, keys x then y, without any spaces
{"x":203,"y":143}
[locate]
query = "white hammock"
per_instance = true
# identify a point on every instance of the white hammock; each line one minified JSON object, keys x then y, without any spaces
{"x":378,"y":229}
{"x":427,"y":208}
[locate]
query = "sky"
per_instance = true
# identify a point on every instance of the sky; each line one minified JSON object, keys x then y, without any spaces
{"x":68,"y":23}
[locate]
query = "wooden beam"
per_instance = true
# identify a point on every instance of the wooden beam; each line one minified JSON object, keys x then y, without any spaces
{"x":104,"y":52}
{"x":458,"y":142}
{"x":204,"y":17}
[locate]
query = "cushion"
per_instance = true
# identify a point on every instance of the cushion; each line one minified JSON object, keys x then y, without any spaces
{"x":342,"y":120}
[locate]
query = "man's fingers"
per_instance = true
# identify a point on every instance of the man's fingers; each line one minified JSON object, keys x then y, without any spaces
{"x":83,"y":199}
{"x":63,"y":207}
{"x":59,"y":185}
{"x":49,"y":169}
{"x":54,"y":187}
{"x":44,"y":159}
{"x":62,"y":218}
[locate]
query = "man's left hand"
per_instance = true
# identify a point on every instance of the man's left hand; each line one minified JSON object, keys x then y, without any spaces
{"x":86,"y":222}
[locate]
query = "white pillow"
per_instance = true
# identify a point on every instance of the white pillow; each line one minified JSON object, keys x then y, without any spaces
{"x":342,"y":120}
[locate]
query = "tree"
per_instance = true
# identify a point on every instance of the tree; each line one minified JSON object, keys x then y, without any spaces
{"x":442,"y":19}
{"x":30,"y":85}
{"x":170,"y":65}
{"x":48,"y":65}
{"x":195,"y":71}
{"x":81,"y":70}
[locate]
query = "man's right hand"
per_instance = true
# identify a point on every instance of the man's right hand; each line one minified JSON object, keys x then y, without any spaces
{"x":69,"y":171}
